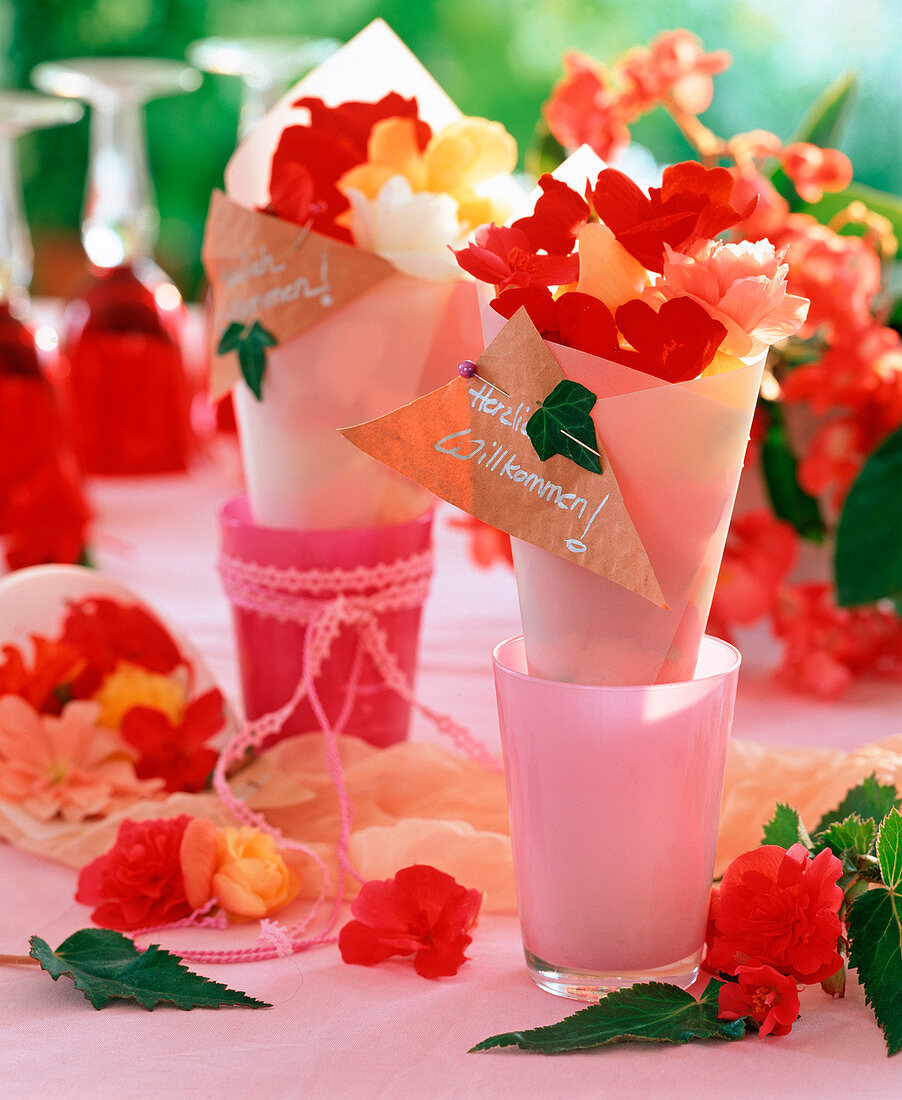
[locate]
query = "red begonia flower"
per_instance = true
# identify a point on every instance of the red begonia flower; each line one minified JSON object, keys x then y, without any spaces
{"x":584,"y":109}
{"x":178,"y":754}
{"x":814,"y":170}
{"x":559,"y":215}
{"x":309,"y":160}
{"x":106,"y":632}
{"x":692,"y":203}
{"x":46,"y":685}
{"x":765,"y":995}
{"x":421,"y":912}
{"x":504,"y":256}
{"x":779,"y":908}
{"x":575,"y":320}
{"x":676,"y":343}
{"x":138,"y":882}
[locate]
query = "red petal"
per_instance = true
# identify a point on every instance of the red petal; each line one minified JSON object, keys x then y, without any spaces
{"x":675,"y":344}
{"x":586,"y":323}
{"x":559,"y":215}
{"x":539,"y":304}
{"x":361,"y":944}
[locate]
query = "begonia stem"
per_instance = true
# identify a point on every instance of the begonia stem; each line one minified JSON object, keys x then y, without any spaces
{"x":18,"y":960}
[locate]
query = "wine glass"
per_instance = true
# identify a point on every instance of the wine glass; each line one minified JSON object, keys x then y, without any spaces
{"x":266,"y":67}
{"x":124,"y":335}
{"x":42,"y":511}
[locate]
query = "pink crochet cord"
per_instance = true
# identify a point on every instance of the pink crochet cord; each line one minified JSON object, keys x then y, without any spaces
{"x":325,"y":602}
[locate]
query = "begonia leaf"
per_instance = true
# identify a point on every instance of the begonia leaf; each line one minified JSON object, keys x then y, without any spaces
{"x":869,"y":799}
{"x":785,"y":828}
{"x":875,"y":936}
{"x":562,"y":425}
{"x":868,"y":547}
{"x":106,"y":966}
{"x":779,"y":465}
{"x":853,"y":835}
{"x":653,"y":1012}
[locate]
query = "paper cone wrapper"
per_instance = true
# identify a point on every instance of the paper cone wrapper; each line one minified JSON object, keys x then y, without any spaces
{"x":354,"y":336}
{"x":676,"y":451}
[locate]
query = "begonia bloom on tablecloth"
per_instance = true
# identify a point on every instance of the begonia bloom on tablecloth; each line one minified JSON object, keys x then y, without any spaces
{"x":67,"y":766}
{"x":55,"y":665}
{"x":129,"y":686}
{"x":781,"y":908}
{"x":240,"y":867}
{"x":421,"y":912}
{"x":762,"y":994}
{"x":138,"y":882}
{"x":176,"y":749}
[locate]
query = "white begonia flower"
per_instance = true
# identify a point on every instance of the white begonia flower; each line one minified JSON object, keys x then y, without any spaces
{"x":412,"y":230}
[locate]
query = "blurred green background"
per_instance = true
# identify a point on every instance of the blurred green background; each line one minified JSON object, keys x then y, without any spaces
{"x":497,"y":58}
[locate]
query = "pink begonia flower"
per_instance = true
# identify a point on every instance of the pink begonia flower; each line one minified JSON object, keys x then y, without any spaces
{"x":814,"y":170}
{"x":742,"y":285}
{"x":68,"y":766}
{"x":674,"y":65}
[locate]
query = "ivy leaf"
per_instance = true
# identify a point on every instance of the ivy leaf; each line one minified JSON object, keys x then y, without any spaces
{"x":251,"y":344}
{"x":779,"y":466}
{"x":868,"y":547}
{"x":785,"y":828}
{"x":563,"y":418}
{"x":106,"y":966}
{"x":875,"y":936}
{"x":868,"y":799}
{"x":653,"y":1012}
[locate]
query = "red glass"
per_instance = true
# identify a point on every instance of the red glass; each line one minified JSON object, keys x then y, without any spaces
{"x":128,"y":382}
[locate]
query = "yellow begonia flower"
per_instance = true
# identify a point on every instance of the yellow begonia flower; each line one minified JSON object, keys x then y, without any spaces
{"x":457,"y":159}
{"x":130,"y":686}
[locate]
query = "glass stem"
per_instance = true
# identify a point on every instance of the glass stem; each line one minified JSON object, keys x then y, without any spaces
{"x":120,"y":217}
{"x":16,"y":253}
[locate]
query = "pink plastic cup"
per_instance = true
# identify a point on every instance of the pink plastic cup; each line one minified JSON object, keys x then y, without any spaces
{"x":614,"y":799}
{"x":270,"y":652}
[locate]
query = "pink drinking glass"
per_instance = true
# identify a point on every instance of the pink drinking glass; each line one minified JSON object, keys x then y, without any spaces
{"x":614,"y":800}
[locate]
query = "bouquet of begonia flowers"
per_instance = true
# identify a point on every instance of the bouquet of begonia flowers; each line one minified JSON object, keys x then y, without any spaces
{"x":657,"y":334}
{"x":334,"y":292}
{"x":99,"y":711}
{"x":827,"y":436}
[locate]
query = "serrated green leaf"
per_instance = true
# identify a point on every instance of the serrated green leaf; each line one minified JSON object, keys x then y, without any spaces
{"x":779,"y":466}
{"x":785,"y":828}
{"x":869,"y":799}
{"x":849,"y":837}
{"x":562,"y":425}
{"x":106,"y":966}
{"x":231,"y":338}
{"x":875,"y":936}
{"x":868,"y":548}
{"x":653,"y":1012}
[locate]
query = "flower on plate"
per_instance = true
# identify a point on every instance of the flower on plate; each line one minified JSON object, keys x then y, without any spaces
{"x":175,"y":749}
{"x":762,"y":994}
{"x":778,"y":908}
{"x":48,"y":683}
{"x":412,"y":230}
{"x":107,"y":632}
{"x":241,"y":867}
{"x":66,"y":766}
{"x":693,"y":203}
{"x":742,"y":285}
{"x":505,"y":257}
{"x":586,"y":109}
{"x":138,"y":883}
{"x":421,"y":912}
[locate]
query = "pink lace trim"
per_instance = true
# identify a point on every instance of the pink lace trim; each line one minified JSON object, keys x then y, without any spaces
{"x":325,"y":601}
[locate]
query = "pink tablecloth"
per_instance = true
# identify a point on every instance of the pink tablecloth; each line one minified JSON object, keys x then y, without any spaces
{"x":343,"y":1031}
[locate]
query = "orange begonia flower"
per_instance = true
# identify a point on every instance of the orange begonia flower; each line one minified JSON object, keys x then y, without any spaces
{"x":457,"y":159}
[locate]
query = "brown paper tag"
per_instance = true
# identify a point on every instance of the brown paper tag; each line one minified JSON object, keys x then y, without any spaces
{"x":467,"y":443}
{"x":281,"y":275}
